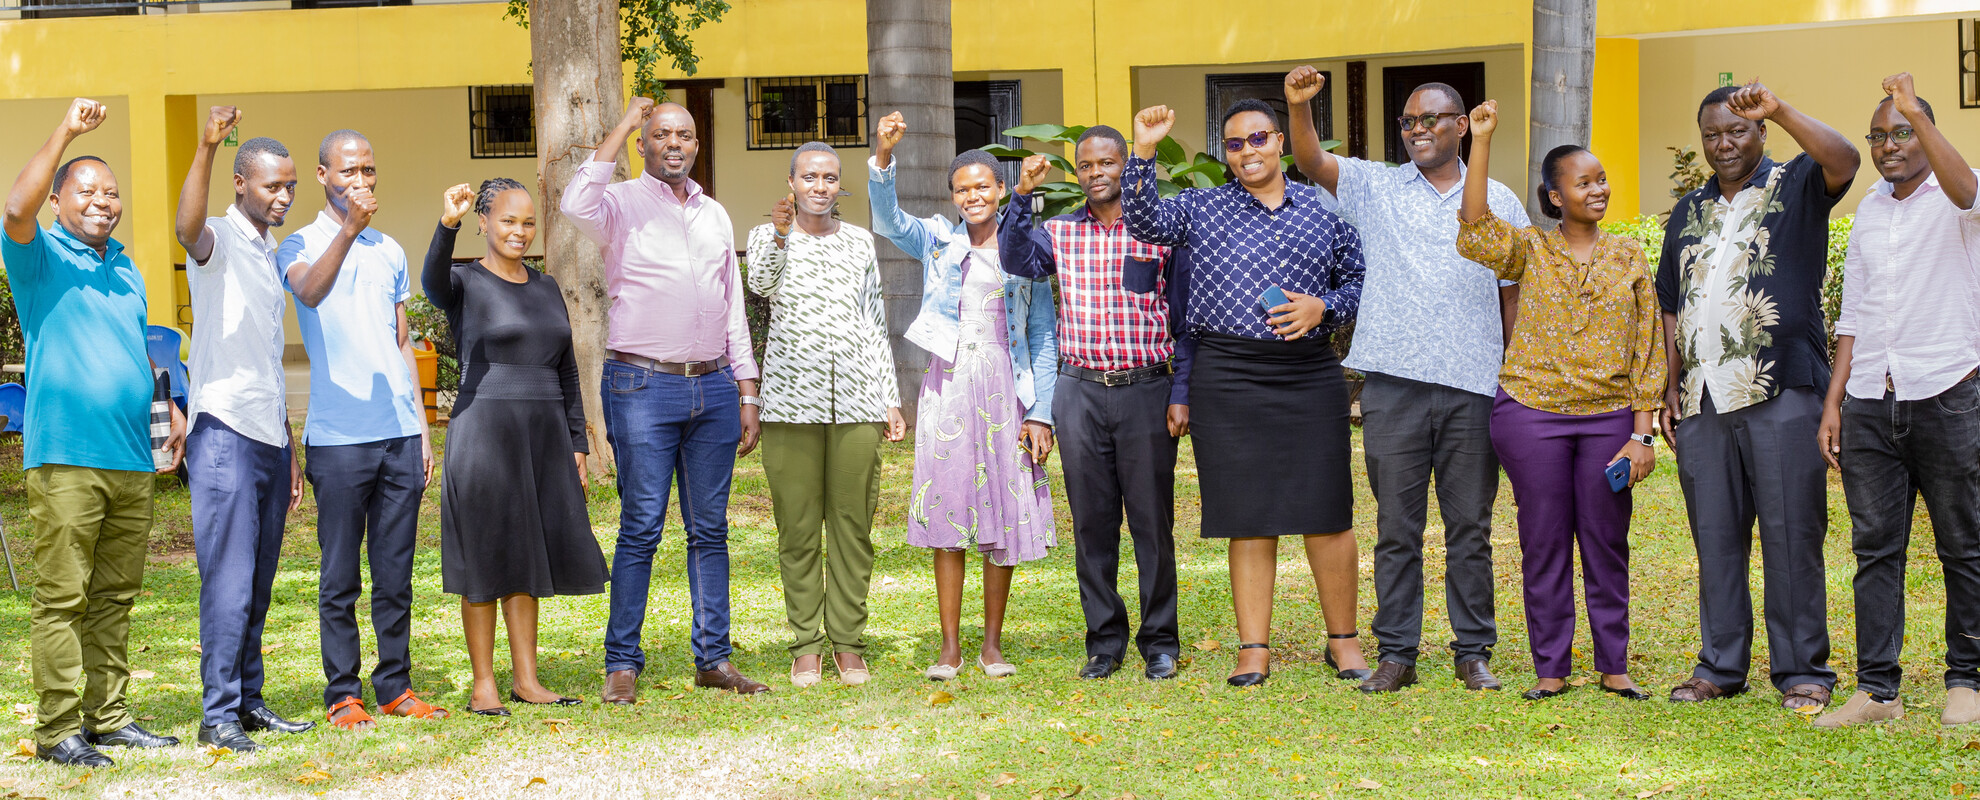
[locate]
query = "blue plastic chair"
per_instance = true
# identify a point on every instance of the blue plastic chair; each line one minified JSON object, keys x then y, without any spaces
{"x":13,"y":406}
{"x":162,"y":344}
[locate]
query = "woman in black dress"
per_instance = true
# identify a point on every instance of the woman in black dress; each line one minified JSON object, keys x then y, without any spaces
{"x":513,"y":526}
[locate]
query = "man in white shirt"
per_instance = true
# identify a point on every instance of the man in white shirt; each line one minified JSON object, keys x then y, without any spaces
{"x":1900,"y":418}
{"x":241,"y":464}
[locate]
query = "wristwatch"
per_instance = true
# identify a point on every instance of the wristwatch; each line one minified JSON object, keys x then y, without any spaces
{"x":1643,"y":439}
{"x":750,"y":400}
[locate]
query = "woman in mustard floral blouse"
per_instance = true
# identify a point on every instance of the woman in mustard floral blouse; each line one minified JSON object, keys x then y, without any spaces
{"x":1582,"y":382}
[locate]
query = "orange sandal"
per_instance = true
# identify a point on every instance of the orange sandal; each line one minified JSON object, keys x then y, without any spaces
{"x":352,"y":717}
{"x":409,"y":706}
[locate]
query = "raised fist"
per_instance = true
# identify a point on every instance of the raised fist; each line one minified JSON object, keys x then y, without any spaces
{"x":220,"y":121}
{"x":1152,"y":124}
{"x":359,"y":205}
{"x":892,"y":128}
{"x":455,"y":204}
{"x":1303,"y":84}
{"x":1032,"y":173}
{"x":84,"y":115}
{"x":637,"y":110}
{"x":783,"y":214}
{"x":1485,"y":119}
{"x":1899,"y":88}
{"x":1753,"y":101}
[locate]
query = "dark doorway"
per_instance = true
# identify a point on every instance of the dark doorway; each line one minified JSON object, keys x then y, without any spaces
{"x":984,"y":109}
{"x":698,"y":96}
{"x":1220,"y":91}
{"x":1397,"y":82}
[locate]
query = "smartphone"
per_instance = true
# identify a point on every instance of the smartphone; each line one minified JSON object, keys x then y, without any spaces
{"x":1272,"y":298}
{"x":1618,"y":474}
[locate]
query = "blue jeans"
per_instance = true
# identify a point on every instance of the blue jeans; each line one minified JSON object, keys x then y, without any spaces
{"x":667,"y":429}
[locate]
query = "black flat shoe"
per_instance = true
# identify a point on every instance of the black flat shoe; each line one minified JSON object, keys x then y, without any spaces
{"x":1161,"y":667}
{"x":497,"y":711}
{"x":129,"y":736}
{"x":1542,"y":694}
{"x":1356,"y":675}
{"x":560,"y":701}
{"x":227,"y":735}
{"x":1250,"y":679}
{"x":1630,"y":693}
{"x":1099,"y":667}
{"x":74,"y":752}
{"x":262,"y":719}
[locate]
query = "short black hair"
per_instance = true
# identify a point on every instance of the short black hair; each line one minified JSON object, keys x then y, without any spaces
{"x":253,"y":149}
{"x":1105,"y":132}
{"x":62,"y":172}
{"x":1247,"y":104}
{"x":335,"y":141}
{"x":1921,"y":104}
{"x":1549,"y":179}
{"x":976,"y":157}
{"x":1716,"y":97}
{"x":1437,"y":87}
{"x":813,"y":147}
{"x":484,"y":199}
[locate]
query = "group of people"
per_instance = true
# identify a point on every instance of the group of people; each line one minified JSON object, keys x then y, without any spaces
{"x":1558,"y":354}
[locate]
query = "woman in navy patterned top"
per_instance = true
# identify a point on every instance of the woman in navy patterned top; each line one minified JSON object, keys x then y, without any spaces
{"x":1270,"y":416}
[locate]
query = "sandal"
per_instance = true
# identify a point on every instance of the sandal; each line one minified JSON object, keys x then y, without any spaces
{"x":1697,"y":690}
{"x":1816,"y":695}
{"x":409,"y":706}
{"x":348,"y":714}
{"x":1346,"y":674}
{"x":1252,"y":678}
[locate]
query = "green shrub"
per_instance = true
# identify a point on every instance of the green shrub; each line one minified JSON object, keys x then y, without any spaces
{"x":429,"y":324}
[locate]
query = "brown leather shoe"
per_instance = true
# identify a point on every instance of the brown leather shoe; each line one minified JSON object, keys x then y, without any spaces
{"x":1697,"y":690}
{"x":1390,"y":676}
{"x":622,"y":687}
{"x":1807,"y":698}
{"x":1476,"y":677}
{"x":725,"y":676}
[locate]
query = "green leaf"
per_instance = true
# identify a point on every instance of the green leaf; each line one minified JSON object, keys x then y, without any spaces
{"x":1043,"y":131}
{"x":1166,"y":189}
{"x":1059,"y":162}
{"x":1330,"y":144}
{"x":1002,"y":151}
{"x":1170,"y":151}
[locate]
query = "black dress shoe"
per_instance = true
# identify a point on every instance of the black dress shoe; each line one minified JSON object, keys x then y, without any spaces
{"x":560,"y":701}
{"x":1161,"y":667}
{"x":74,"y":752}
{"x":497,"y":711}
{"x":227,"y":735}
{"x":130,"y":736}
{"x":1251,"y":678}
{"x":262,"y":719}
{"x":1542,"y":694}
{"x":1389,"y":676}
{"x":1629,"y":693}
{"x":1100,"y":666}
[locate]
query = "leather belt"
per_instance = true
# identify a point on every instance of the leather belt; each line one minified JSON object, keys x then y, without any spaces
{"x":1118,"y":377}
{"x":1891,"y":386}
{"x":690,"y":369}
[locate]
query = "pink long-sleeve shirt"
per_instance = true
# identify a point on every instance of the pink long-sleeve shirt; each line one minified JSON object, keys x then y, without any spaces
{"x":670,"y":268}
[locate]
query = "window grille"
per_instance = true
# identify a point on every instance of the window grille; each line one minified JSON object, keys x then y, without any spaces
{"x":784,"y":113}
{"x":502,"y":121}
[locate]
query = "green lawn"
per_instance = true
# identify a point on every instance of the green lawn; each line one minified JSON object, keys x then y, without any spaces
{"x":1040,"y":734}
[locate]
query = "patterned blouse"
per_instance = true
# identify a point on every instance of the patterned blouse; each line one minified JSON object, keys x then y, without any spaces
{"x":1589,"y":337}
{"x":827,"y":360}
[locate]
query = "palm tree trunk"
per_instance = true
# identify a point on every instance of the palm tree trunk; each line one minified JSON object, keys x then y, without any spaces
{"x":909,"y":70}
{"x":1563,"y":84}
{"x":574,"y":59}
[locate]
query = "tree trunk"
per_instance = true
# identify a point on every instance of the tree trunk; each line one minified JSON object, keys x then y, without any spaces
{"x":574,"y":55}
{"x":909,"y":70}
{"x":1563,"y":85}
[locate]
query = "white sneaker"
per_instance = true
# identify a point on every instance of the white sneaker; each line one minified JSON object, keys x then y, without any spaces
{"x":1861,"y":709}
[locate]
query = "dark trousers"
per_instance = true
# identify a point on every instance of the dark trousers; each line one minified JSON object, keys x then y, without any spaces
{"x":667,"y":429}
{"x":1893,"y":452}
{"x":367,"y":496}
{"x":1759,"y":463}
{"x":1119,"y":454}
{"x":1556,"y":463}
{"x":1413,"y":431}
{"x":240,"y":500}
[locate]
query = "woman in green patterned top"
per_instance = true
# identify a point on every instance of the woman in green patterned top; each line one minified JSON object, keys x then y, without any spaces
{"x":829,"y":397}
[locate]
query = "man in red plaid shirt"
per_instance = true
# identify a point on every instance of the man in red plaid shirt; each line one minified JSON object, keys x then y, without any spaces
{"x":1120,"y":404}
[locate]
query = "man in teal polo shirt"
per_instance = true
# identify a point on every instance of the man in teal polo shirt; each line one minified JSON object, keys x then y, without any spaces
{"x":87,"y":447}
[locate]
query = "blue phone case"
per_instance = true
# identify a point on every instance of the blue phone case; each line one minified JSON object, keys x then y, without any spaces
{"x":1273,"y":298}
{"x":1618,"y":474}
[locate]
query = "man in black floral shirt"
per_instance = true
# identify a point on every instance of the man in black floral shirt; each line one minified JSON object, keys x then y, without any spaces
{"x":1740,"y":283}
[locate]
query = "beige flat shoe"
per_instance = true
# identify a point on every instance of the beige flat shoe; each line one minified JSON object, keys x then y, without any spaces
{"x":1000,"y":669}
{"x":942,"y":672}
{"x":1861,"y":710}
{"x":806,"y":679}
{"x":1962,"y":707}
{"x":856,"y":676}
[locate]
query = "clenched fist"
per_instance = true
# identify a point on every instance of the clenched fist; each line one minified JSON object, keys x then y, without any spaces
{"x":1303,"y":84}
{"x":783,"y":214}
{"x":359,"y":205}
{"x":1754,"y":101}
{"x":1151,"y":126}
{"x":220,"y":121}
{"x":1899,"y":88}
{"x":455,"y":204}
{"x":84,"y":115}
{"x":637,"y":110}
{"x":1485,"y":119}
{"x":1032,"y":173}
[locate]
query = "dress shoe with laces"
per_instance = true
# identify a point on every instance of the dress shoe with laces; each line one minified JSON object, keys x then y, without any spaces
{"x":262,"y":719}
{"x":227,"y":735}
{"x":1100,"y":666}
{"x":725,"y":676}
{"x":622,"y":687}
{"x":74,"y":752}
{"x":130,"y":736}
{"x":1161,"y":667}
{"x":1476,"y":677}
{"x":1389,"y":676}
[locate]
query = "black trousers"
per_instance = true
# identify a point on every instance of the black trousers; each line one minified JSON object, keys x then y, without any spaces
{"x":1119,"y":455}
{"x":367,"y":496}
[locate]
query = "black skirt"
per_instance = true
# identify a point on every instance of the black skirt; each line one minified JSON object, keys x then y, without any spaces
{"x":512,"y":510}
{"x":1269,"y":422}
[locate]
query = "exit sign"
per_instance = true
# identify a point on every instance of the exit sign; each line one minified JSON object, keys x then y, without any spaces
{"x":233,"y":138}
{"x":1725,"y":79}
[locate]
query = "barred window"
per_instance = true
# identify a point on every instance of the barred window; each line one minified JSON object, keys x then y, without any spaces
{"x":784,"y":113}
{"x":502,"y":121}
{"x":1969,"y":63}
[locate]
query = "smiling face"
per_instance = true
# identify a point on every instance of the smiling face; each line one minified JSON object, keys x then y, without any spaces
{"x":1435,"y":146}
{"x":510,"y":223}
{"x":87,"y":204}
{"x":976,"y":189}
{"x":1733,"y":144}
{"x":1581,"y":188}
{"x":1098,"y":163}
{"x":1255,"y":167}
{"x":815,"y":183}
{"x":351,"y":165}
{"x":1898,"y":162}
{"x":266,"y":194}
{"x":669,"y":144}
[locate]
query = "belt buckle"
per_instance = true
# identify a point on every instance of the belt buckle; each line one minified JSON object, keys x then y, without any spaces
{"x":694,"y":369}
{"x":1118,"y":377}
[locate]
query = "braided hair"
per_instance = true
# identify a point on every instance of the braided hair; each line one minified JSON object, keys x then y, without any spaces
{"x":484,"y":200}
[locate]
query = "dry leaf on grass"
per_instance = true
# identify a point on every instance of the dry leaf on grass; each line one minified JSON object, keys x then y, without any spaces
{"x":1209,"y":644}
{"x":79,"y":780}
{"x":1071,"y":790}
{"x":1088,"y":739}
{"x":24,"y":748}
{"x":1648,"y":793}
{"x":1958,"y":789}
{"x":939,"y":698}
{"x":1003,"y":779}
{"x":1366,"y":783}
{"x":536,"y":782}
{"x":311,"y":777}
{"x":1580,"y":681}
{"x":9,"y":783}
{"x":142,"y":674}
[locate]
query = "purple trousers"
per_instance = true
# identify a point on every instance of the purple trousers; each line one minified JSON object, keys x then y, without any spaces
{"x":1556,"y":463}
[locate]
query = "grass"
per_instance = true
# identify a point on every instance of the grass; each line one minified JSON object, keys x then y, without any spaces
{"x":1042,"y":734}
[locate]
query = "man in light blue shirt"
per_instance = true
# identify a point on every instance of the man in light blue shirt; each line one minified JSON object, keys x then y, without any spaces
{"x":1430,"y":340}
{"x":369,"y":459}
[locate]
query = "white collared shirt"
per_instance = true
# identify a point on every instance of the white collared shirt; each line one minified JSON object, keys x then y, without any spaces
{"x":1911,"y":293}
{"x":237,"y":304}
{"x":360,"y":388}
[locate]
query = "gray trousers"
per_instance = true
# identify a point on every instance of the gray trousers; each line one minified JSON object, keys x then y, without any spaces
{"x":1412,"y":431}
{"x":1759,"y":462}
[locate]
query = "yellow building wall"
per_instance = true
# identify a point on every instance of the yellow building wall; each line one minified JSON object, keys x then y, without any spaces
{"x":1656,"y":17}
{"x":1614,"y":136}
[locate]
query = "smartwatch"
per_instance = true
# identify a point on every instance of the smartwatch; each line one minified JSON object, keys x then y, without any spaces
{"x":1643,"y":439}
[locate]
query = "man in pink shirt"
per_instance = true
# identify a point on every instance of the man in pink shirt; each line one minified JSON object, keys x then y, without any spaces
{"x":680,"y":380}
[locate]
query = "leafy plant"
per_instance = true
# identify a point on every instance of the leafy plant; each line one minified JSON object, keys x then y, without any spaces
{"x":427,"y":323}
{"x":1687,"y":171}
{"x":651,"y":30}
{"x":1184,"y":171}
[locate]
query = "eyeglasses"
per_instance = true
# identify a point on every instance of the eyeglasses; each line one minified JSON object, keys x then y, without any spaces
{"x":1901,"y":135}
{"x":1255,"y":140}
{"x":1427,"y":121}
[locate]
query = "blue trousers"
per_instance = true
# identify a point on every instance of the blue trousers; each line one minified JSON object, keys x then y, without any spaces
{"x":367,"y":497}
{"x":669,"y":430}
{"x":240,"y":497}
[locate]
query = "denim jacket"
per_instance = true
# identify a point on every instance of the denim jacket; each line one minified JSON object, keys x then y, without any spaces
{"x":941,"y":247}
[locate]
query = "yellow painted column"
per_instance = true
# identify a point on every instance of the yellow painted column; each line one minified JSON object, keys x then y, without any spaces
{"x":163,"y":130}
{"x":1616,"y":131}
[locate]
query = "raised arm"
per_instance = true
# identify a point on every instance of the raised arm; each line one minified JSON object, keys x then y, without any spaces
{"x":1831,"y":150}
{"x":1955,"y":177}
{"x":437,"y":275}
{"x":767,"y":248}
{"x":191,"y":224}
{"x":37,"y":179}
{"x":1149,"y":218}
{"x":889,"y":221}
{"x":1302,"y":85}
{"x":1483,"y":237}
{"x":1024,"y":248}
{"x":585,"y":202}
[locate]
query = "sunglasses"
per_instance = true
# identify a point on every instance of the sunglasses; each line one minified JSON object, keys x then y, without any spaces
{"x":1426,"y":121}
{"x":1255,"y":140}
{"x":1900,"y":136}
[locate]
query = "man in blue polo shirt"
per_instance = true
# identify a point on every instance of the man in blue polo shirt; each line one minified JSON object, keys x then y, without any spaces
{"x":368,"y":456}
{"x":87,"y":443}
